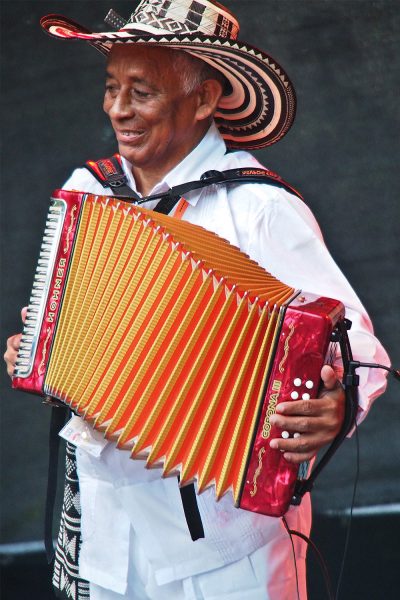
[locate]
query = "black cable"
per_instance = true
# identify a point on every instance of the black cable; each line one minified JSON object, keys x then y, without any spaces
{"x":346,"y":544}
{"x":294,"y":555}
{"x":327,"y":579}
{"x":394,"y":372}
{"x":318,"y":554}
{"x":351,"y":365}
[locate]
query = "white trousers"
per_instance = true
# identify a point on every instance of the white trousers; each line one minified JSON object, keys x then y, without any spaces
{"x":246,"y":579}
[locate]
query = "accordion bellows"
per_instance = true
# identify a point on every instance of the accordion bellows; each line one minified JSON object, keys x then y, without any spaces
{"x":163,"y":336}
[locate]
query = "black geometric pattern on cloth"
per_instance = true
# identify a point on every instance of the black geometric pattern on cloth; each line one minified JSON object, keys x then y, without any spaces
{"x":66,"y":581}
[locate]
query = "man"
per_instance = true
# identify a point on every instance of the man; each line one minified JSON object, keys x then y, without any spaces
{"x":169,"y":100}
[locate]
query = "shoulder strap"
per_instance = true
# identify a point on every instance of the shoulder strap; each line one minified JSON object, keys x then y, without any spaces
{"x":109,"y":172}
{"x":243,"y":175}
{"x":249,"y":175}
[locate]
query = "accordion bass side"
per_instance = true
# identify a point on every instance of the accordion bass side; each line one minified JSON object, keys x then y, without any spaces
{"x":173,"y":343}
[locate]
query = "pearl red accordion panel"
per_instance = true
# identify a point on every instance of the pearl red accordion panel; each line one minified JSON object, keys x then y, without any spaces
{"x":173,"y":343}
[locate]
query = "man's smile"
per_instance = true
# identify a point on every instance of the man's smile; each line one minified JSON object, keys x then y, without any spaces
{"x":129,"y":135}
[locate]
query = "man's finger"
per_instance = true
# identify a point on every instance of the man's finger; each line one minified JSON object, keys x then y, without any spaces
{"x":293,"y":457}
{"x":10,"y":355}
{"x":299,"y":408}
{"x":296,"y":450}
{"x":297,"y":423}
{"x":14,"y":341}
{"x":329,"y":378}
{"x":23,"y":313}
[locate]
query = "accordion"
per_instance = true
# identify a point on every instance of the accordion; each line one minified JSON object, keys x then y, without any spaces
{"x":173,"y":343}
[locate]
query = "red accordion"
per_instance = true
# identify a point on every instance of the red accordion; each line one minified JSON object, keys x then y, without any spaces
{"x":173,"y":343}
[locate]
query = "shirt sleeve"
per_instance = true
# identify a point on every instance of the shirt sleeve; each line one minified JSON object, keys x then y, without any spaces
{"x":287,"y":241}
{"x":82,"y":180}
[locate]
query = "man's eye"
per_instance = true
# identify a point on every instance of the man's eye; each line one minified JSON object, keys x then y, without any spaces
{"x":111,"y":89}
{"x":141,"y":93}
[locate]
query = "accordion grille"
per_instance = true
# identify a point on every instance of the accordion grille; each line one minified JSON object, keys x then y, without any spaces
{"x":164,"y":341}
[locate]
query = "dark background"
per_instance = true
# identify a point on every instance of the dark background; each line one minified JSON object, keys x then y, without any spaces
{"x":342,"y":154}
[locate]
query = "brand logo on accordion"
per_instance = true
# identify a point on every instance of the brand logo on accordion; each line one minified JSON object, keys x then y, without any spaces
{"x":273,"y":400}
{"x":55,"y":294}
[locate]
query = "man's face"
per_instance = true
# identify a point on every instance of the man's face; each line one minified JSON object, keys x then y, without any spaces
{"x":154,"y":120}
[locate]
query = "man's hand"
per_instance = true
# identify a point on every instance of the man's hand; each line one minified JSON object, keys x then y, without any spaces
{"x":13,"y":342}
{"x":316,"y":421}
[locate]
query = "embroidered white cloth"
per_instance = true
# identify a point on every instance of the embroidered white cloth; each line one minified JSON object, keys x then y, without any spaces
{"x":278,"y":231}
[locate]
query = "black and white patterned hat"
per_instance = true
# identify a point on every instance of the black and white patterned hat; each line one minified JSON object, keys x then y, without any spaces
{"x":260,"y":106}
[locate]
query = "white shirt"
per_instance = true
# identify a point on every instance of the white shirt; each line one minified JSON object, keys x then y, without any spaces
{"x":276,"y":229}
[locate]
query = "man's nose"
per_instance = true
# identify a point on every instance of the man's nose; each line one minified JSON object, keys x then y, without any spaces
{"x":122,"y":106}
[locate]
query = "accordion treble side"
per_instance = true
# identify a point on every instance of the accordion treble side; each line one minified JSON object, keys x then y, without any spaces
{"x":173,"y":343}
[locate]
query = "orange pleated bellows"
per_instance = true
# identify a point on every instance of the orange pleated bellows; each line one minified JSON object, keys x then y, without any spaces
{"x":164,"y":340}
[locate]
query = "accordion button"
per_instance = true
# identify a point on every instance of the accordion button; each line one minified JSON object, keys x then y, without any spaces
{"x":285,"y":435}
{"x":305,"y":396}
{"x":309,"y":384}
{"x":294,"y":395}
{"x":297,"y":382}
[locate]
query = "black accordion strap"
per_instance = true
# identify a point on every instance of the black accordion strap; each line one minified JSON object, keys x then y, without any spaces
{"x":191,"y":510}
{"x":243,"y":175}
{"x":109,"y":172}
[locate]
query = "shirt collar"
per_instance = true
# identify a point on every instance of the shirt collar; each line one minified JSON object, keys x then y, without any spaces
{"x":204,"y":157}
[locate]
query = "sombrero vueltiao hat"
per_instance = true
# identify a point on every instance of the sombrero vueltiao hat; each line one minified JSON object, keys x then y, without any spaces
{"x":259,"y":108}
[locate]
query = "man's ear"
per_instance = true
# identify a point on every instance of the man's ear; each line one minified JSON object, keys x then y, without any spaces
{"x":209,"y":94}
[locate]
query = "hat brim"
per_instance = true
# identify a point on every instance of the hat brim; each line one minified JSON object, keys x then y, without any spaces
{"x":261,"y":105}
